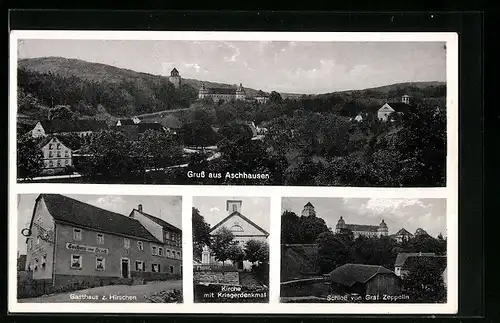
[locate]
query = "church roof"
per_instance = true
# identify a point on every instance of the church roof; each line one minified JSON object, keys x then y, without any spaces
{"x":241,"y":216}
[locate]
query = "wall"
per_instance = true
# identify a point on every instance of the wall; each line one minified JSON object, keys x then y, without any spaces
{"x":50,"y":154}
{"x":220,"y":277}
{"x":154,"y":228}
{"x":38,"y":131}
{"x":116,"y":251}
{"x":384,"y":112}
{"x":387,"y":284}
{"x":43,"y":226}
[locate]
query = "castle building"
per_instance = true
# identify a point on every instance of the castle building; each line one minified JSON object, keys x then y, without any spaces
{"x":175,"y":78}
{"x":362,"y":229}
{"x":308,"y":210}
{"x":242,"y":228}
{"x":222,"y":94}
{"x":71,"y":240}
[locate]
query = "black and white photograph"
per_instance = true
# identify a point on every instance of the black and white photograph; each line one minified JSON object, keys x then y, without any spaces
{"x":363,"y":250}
{"x":231,"y":249}
{"x":79,"y":248}
{"x":209,"y":112}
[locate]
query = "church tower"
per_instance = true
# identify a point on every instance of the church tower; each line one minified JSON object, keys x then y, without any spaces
{"x":233,"y":206}
{"x":203,"y":92}
{"x":240,"y":93}
{"x":175,"y":78}
{"x":383,"y":230}
{"x":308,"y":210}
{"x":340,"y":225}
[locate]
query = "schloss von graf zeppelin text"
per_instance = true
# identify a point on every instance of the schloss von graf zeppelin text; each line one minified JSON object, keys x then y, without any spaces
{"x":228,"y":175}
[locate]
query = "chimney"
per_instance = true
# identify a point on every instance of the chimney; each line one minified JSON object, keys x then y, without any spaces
{"x":139,"y":207}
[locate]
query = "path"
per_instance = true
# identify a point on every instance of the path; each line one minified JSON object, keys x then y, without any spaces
{"x":135,"y":293}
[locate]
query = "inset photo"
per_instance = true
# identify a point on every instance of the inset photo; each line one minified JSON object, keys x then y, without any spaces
{"x":362,"y":250}
{"x":99,"y":248}
{"x":231,"y":249}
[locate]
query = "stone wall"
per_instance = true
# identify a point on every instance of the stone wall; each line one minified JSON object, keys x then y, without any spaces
{"x":218,"y":277}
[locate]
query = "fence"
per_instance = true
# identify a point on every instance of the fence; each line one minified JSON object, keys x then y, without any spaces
{"x":214,"y":267}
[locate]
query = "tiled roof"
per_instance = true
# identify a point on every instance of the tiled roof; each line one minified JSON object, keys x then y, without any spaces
{"x":221,"y":90}
{"x":72,"y":211}
{"x":159,"y":221}
{"x":439,"y":261}
{"x":349,"y":274}
{"x":402,"y":256}
{"x":47,"y":139}
{"x":124,"y":122}
{"x":56,"y":126}
{"x":362,"y":227}
{"x":399,"y":106}
{"x":403,"y":231}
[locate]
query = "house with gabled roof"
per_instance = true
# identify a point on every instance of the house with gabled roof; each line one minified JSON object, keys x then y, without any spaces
{"x":241,"y":226}
{"x":402,"y":235}
{"x":57,"y":154}
{"x":398,"y":108}
{"x":364,"y":280}
{"x":81,"y":128}
{"x":69,"y":240}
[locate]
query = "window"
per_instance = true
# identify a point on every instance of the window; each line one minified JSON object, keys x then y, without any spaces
{"x":140,"y":245}
{"x":46,"y":164}
{"x":160,"y":251}
{"x":171,"y":269}
{"x":235,"y":208}
{"x":179,"y":254}
{"x":168,"y":253}
{"x":77,"y":234}
{"x":100,"y":238}
{"x":66,"y":153}
{"x":66,"y":162}
{"x":50,"y":163}
{"x":50,"y":153}
{"x":154,"y":250}
{"x":100,"y":263}
{"x":36,"y":264}
{"x":76,"y":261}
{"x":126,"y":243}
{"x":139,"y":266}
{"x":155,"y":268}
{"x":50,"y":146}
{"x":58,"y":146}
{"x":167,"y":235}
{"x":44,"y":260}
{"x":58,"y":162}
{"x":58,"y":154}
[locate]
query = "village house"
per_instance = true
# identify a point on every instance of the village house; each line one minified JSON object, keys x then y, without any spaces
{"x":222,"y":94}
{"x":364,"y":280}
{"x":363,"y":229}
{"x":403,"y":256}
{"x":402,"y":235}
{"x":389,"y":108}
{"x":57,"y":154}
{"x":242,"y":228}
{"x":81,"y":128}
{"x":261,"y":97}
{"x":69,"y":241}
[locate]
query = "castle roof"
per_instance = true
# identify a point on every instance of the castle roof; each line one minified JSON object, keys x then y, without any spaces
{"x":68,"y":210}
{"x":350,"y":274}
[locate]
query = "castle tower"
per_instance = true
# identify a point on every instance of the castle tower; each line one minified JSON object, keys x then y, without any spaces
{"x":240,"y":93}
{"x":175,"y":78}
{"x":405,"y":99}
{"x":203,"y":92}
{"x":340,"y":225}
{"x":233,"y":206}
{"x":383,"y":230}
{"x":308,"y":210}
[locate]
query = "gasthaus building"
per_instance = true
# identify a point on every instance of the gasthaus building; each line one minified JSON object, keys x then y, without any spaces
{"x":70,"y":240}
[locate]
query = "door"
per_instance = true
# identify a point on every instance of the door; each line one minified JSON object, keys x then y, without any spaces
{"x":125,"y":268}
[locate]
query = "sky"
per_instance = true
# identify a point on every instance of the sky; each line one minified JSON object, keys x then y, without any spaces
{"x":213,"y":209}
{"x":428,"y":214}
{"x":168,"y":208}
{"x":291,"y":67}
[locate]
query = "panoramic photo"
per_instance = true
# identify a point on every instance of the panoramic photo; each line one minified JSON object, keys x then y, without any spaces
{"x":99,"y":248}
{"x":231,"y":112}
{"x":231,"y":249}
{"x":360,"y":250}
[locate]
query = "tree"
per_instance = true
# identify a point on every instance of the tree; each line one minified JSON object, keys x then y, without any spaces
{"x":275,"y":97}
{"x":310,"y":228}
{"x":290,"y":228}
{"x":29,"y":158}
{"x":424,"y":282}
{"x":253,"y":250}
{"x":235,"y":131}
{"x":201,"y":233}
{"x":235,"y":253}
{"x":159,"y":149}
{"x":332,"y":252}
{"x":61,"y":113}
{"x":198,"y":133}
{"x":222,"y":240}
{"x":426,"y":243}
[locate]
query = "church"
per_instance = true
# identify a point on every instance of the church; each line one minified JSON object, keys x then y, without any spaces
{"x":242,"y":228}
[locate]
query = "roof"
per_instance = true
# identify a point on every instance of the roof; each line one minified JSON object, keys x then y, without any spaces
{"x":221,"y":90}
{"x":124,"y":122}
{"x":439,"y":261}
{"x":309,"y":204}
{"x":55,"y":126}
{"x":362,"y":227}
{"x":420,"y":231}
{"x":403,"y":231}
{"x":68,"y":210}
{"x":349,"y":274}
{"x":174,"y":71}
{"x":241,"y":216}
{"x":171,"y":121}
{"x":47,"y":139}
{"x":143,"y":126}
{"x":159,"y":221}
{"x":402,"y":256}
{"x":399,"y":106}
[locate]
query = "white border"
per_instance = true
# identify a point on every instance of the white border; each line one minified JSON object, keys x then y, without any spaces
{"x":450,"y":192}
